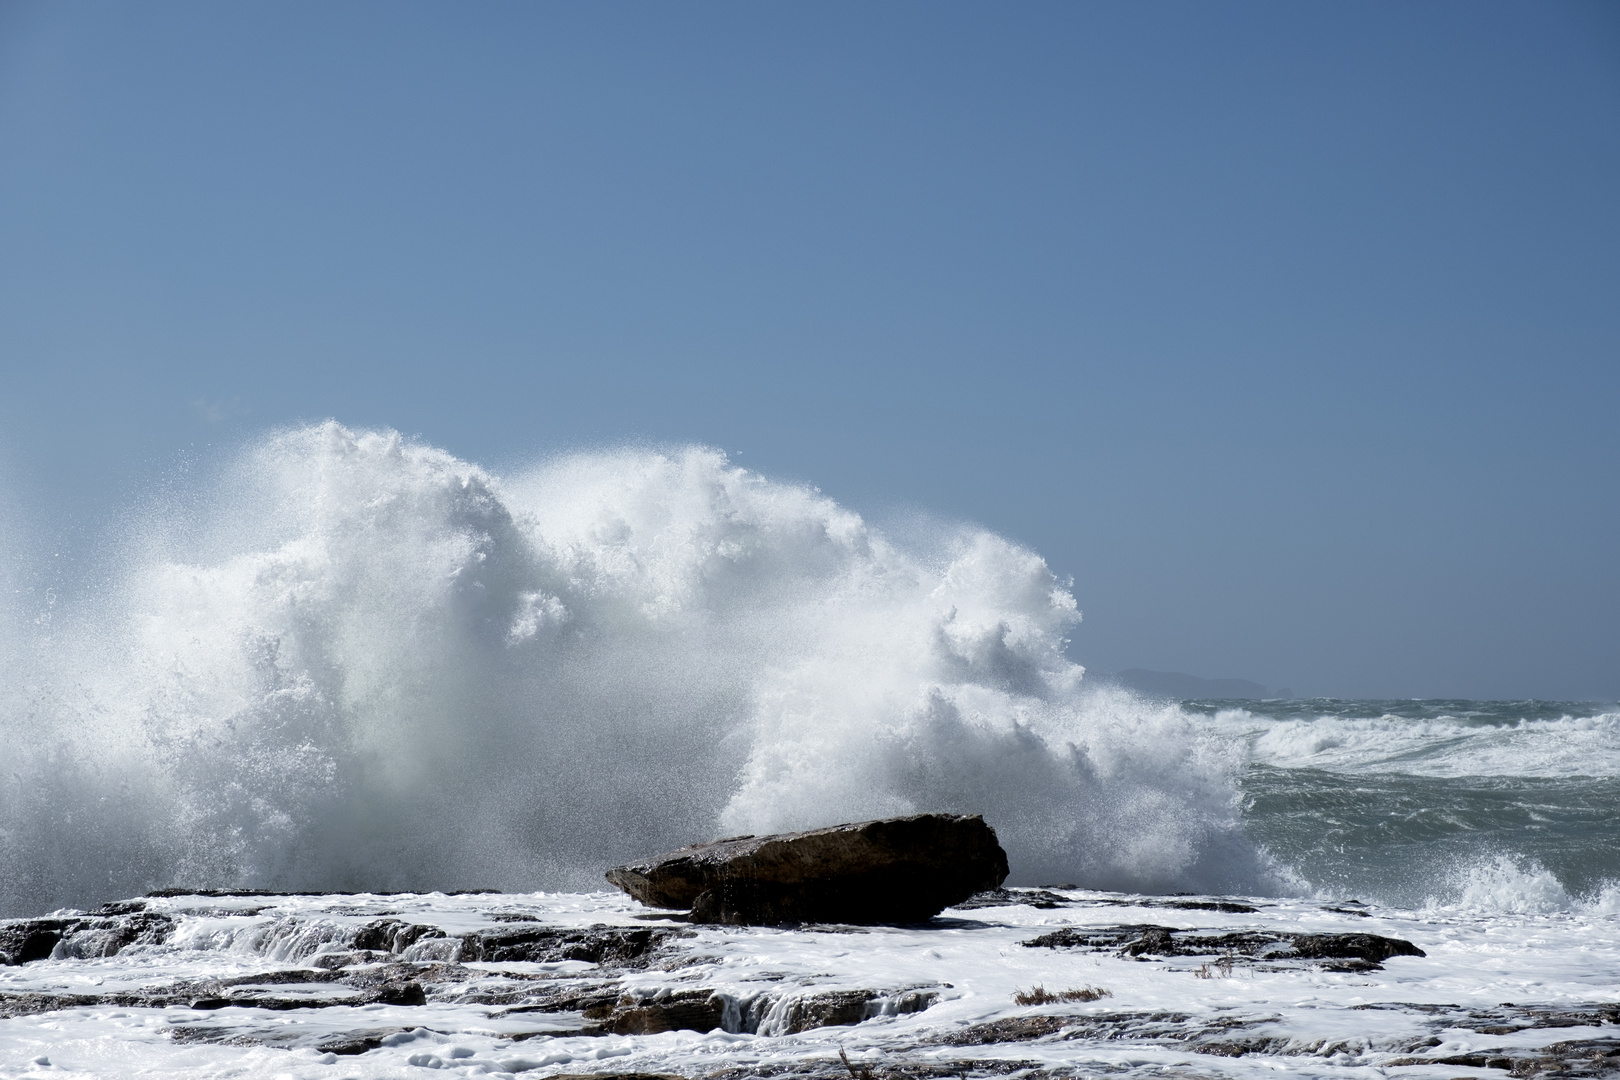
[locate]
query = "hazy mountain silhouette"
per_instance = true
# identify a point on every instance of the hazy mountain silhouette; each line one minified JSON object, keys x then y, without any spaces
{"x":1176,"y":684}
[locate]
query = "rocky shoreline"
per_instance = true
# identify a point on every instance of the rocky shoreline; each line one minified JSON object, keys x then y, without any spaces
{"x":351,"y":978}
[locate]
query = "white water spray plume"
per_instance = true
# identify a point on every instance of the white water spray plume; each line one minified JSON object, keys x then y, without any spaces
{"x":359,"y":663}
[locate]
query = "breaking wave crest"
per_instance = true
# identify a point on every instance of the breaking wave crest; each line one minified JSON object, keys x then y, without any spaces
{"x":358,"y":662}
{"x":1519,"y":886}
{"x":1426,"y":739}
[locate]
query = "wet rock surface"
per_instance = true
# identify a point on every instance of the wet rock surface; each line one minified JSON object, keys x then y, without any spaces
{"x":81,"y":937}
{"x":1591,"y":1057}
{"x":1012,"y":1029}
{"x":784,"y":1013}
{"x":1035,"y":898}
{"x":1337,"y":952}
{"x":1577,"y":1058}
{"x":540,"y":944}
{"x":895,"y":870}
{"x":1245,"y":1035}
{"x":381,"y":961}
{"x":891,"y":1069}
{"x":397,"y":962}
{"x":1230,"y":907}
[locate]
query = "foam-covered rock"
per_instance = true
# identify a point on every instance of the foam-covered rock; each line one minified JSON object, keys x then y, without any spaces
{"x":893,"y":870}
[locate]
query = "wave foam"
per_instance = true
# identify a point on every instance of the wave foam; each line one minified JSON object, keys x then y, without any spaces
{"x":1444,"y":746}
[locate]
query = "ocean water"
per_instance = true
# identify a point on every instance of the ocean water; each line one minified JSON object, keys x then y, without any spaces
{"x":1501,"y":805}
{"x":349,"y":663}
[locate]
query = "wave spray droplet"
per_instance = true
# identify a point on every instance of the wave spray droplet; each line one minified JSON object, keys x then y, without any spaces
{"x":370,"y":665}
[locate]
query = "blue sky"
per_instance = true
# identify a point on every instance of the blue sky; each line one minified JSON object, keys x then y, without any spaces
{"x":1291,"y":331}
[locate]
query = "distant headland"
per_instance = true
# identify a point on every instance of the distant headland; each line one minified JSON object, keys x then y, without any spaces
{"x":1176,"y":684}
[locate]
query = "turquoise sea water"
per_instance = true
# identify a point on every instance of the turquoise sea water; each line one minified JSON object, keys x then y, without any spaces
{"x":1512,"y":804}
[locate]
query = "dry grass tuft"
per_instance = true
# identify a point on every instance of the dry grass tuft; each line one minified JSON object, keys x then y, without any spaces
{"x":1040,"y":995}
{"x":1222,"y":968}
{"x":863,"y":1073}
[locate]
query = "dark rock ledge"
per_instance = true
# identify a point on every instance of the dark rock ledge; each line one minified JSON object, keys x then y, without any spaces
{"x":705,"y":1010}
{"x":1342,"y":952}
{"x":101,"y":933}
{"x":1576,"y":1058}
{"x":374,"y":964}
{"x":1239,"y":1036}
{"x":1045,"y":898}
{"x":1035,"y":898}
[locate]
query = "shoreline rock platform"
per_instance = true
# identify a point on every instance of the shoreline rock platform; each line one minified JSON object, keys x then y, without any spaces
{"x":1047,"y":984}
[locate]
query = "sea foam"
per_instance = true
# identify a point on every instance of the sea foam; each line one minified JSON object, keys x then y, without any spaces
{"x":358,"y":662}
{"x":1444,"y":745}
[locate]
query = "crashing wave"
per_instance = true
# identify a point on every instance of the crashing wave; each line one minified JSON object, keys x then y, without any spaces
{"x":359,"y":662}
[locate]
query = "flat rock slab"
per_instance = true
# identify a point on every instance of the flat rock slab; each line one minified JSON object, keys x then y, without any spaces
{"x":1343,"y":952}
{"x":894,"y":870}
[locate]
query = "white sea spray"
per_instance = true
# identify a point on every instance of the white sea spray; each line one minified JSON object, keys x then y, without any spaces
{"x":359,"y":662}
{"x":1506,"y":885}
{"x":1516,"y":885}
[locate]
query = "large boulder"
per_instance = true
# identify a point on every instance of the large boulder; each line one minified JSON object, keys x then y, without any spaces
{"x":895,"y":870}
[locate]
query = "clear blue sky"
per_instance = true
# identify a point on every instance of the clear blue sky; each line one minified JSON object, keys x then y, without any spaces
{"x":1291,"y":331}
